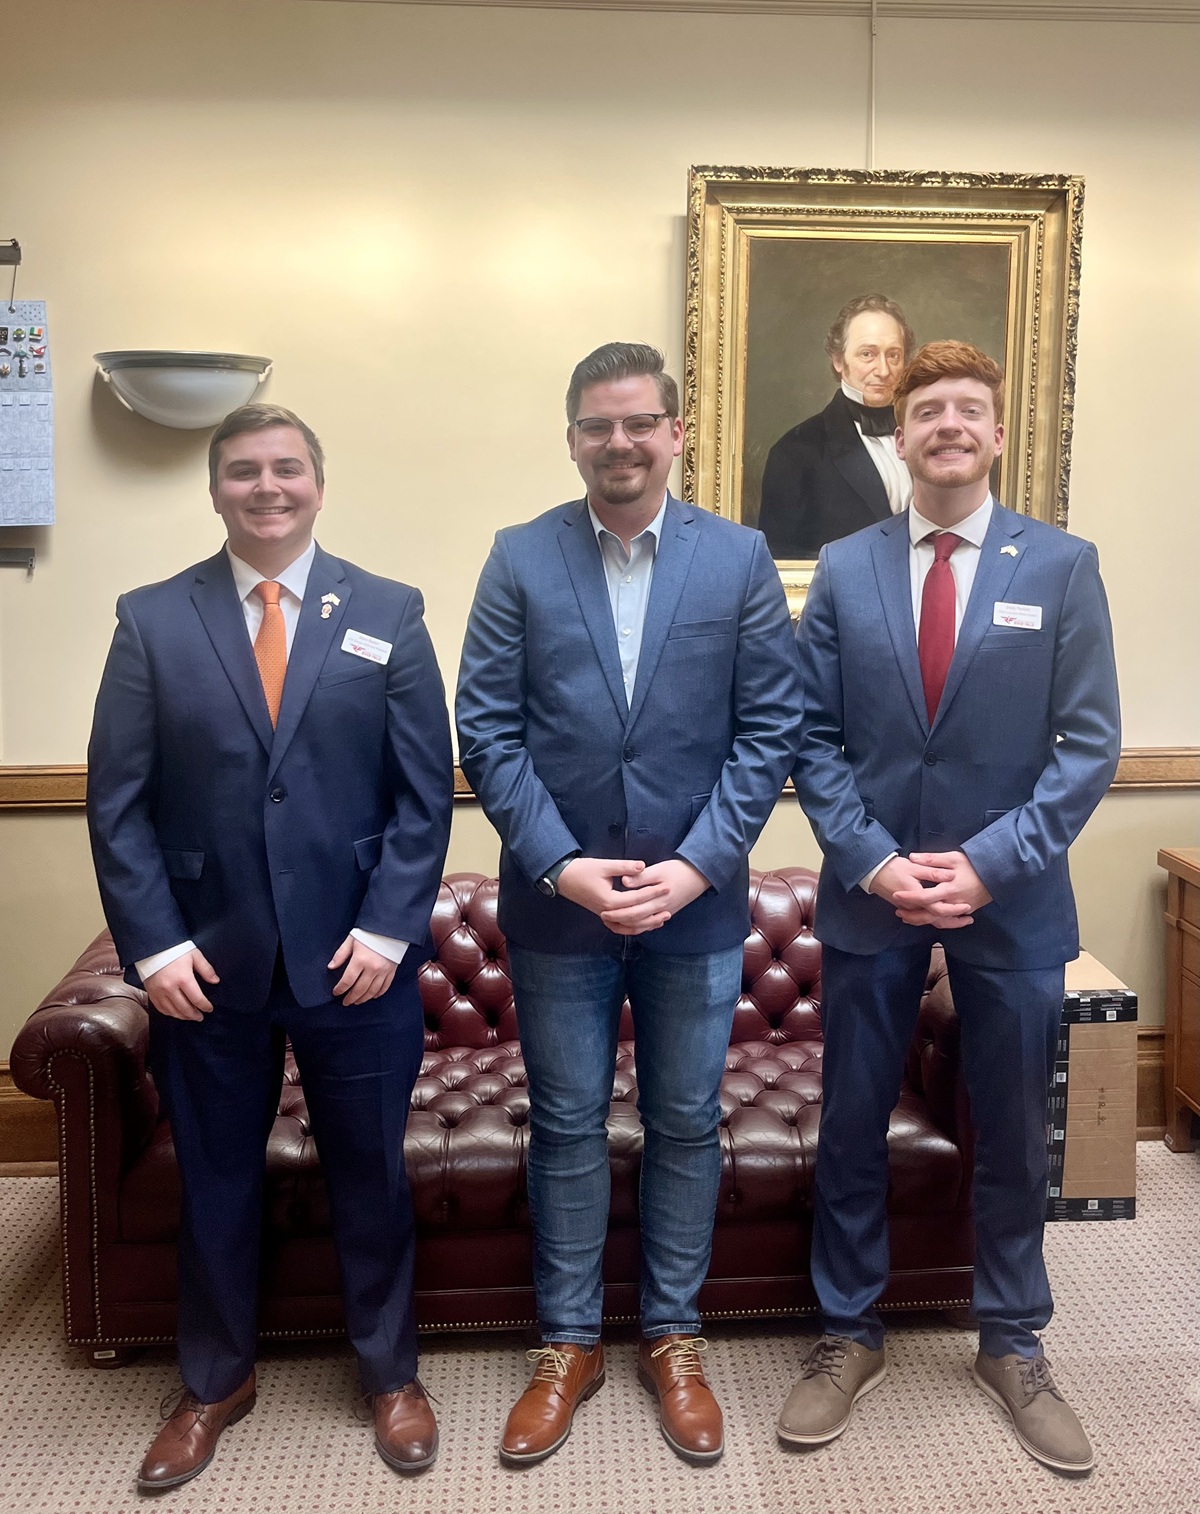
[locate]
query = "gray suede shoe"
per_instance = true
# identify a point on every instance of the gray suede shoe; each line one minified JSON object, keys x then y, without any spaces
{"x":1044,"y":1422}
{"x":836,"y":1371}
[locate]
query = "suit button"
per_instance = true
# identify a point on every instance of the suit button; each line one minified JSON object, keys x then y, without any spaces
{"x":930,"y":760}
{"x":278,"y":794}
{"x":627,"y":754}
{"x":614,"y":830}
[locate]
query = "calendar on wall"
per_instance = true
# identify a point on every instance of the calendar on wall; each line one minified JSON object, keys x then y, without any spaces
{"x":26,"y":416}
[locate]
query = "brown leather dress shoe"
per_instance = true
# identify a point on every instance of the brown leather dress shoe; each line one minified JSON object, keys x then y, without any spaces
{"x":688,"y":1413}
{"x":185,"y":1444}
{"x":564,"y":1377}
{"x":406,"y":1433}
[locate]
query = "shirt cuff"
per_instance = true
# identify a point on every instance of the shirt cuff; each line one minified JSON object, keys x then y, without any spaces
{"x":865,"y":883}
{"x":386,"y":946}
{"x":148,"y":966}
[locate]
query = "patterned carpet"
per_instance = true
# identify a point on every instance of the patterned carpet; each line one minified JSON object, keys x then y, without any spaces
{"x":1125,"y":1345}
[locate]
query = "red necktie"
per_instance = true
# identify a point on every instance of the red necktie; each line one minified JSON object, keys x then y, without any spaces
{"x":270,"y":646}
{"x":935,"y":637}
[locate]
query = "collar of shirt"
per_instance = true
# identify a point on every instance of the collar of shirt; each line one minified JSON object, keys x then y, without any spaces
{"x":294,"y":577}
{"x":654,"y":529}
{"x":973,"y":529}
{"x":852,"y":393}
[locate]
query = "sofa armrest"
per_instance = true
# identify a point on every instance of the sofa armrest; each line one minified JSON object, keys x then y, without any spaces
{"x":93,"y":1025}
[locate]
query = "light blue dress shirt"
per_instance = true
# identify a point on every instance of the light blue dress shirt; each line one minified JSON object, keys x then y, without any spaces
{"x":629,"y":575}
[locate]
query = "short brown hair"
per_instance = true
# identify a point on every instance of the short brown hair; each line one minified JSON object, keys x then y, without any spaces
{"x":939,"y":360}
{"x":863,"y":304}
{"x":621,"y":360}
{"x":262,"y":418}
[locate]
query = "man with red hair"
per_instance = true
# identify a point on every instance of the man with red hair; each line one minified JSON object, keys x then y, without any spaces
{"x":961,"y":724}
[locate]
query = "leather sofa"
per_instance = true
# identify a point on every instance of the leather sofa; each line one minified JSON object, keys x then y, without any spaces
{"x":85,"y":1048}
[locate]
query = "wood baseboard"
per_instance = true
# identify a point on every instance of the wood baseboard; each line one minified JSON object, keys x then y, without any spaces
{"x":27,"y":1134}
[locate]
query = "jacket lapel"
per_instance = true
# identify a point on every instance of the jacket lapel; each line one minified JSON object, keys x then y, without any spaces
{"x":992,"y":578}
{"x":889,"y":551}
{"x":672,"y":562}
{"x":852,"y":460}
{"x":314,"y":637}
{"x":215,"y":597}
{"x":581,"y":552}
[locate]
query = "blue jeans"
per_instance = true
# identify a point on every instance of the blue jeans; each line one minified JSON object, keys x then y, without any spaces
{"x":568,"y":1012}
{"x":1009,"y":1025}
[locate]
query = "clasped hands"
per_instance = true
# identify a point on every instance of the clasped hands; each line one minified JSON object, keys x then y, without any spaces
{"x":175,"y":989}
{"x":932,"y":888}
{"x":647,"y":899}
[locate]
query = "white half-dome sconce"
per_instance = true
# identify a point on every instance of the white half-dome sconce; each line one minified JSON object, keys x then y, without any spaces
{"x":188,"y":390}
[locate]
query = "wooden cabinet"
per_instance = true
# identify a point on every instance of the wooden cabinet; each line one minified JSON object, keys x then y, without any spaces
{"x":1182,"y":1070}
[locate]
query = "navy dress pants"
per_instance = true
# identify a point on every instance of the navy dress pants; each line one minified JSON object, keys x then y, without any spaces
{"x":220,"y":1080}
{"x":1009,"y":1026}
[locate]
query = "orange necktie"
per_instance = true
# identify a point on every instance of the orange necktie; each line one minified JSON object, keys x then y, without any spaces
{"x":270,"y":646}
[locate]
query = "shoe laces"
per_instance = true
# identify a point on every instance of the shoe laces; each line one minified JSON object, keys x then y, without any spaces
{"x":364,"y":1404}
{"x":180,"y":1400}
{"x":1036,"y":1378}
{"x":828,"y":1356}
{"x":683,"y":1356}
{"x":552,"y":1365}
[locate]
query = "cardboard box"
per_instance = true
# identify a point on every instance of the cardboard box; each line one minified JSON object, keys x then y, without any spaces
{"x":1093,"y":1099}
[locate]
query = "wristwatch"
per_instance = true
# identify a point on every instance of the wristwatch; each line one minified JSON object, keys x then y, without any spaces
{"x":548,"y":883}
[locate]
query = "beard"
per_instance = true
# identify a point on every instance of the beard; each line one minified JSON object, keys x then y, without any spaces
{"x":971,"y":468}
{"x":621,"y":488}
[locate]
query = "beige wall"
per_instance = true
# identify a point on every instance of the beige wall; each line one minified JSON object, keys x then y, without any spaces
{"x":425,"y":214}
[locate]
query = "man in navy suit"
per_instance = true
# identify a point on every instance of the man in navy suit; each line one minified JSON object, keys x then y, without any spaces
{"x":269,"y":792}
{"x":628,"y":708}
{"x":961,"y":725}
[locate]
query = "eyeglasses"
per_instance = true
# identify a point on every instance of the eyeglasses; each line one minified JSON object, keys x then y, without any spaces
{"x":638,"y":428}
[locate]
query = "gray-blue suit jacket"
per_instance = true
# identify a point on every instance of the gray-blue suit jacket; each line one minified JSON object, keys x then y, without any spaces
{"x":1024,"y":744}
{"x":561,"y":762}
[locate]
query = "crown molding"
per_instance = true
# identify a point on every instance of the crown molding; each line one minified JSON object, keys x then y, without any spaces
{"x":1178,"y":12}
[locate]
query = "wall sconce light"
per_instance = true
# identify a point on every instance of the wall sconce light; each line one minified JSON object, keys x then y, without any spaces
{"x":189,"y":390}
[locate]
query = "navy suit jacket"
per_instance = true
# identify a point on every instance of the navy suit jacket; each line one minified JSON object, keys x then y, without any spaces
{"x":561,"y":762}
{"x":1023,"y":747}
{"x":208,"y":825}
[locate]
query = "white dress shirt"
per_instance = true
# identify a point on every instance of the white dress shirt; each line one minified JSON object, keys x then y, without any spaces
{"x":893,"y":473}
{"x":629,"y":576}
{"x":292,"y":581}
{"x":964,"y":560}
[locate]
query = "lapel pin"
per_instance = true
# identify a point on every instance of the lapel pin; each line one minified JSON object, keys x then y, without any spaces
{"x":326,"y":611}
{"x":1008,"y":551}
{"x":330,"y":599}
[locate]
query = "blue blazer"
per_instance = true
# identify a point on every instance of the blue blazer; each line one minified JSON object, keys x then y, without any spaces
{"x":562,"y":762}
{"x":1024,"y":744}
{"x":207,"y":824}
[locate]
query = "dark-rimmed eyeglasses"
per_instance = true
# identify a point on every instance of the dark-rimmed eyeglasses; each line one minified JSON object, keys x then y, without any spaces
{"x":638,"y":428}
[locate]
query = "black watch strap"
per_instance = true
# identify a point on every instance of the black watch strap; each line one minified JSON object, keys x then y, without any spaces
{"x":548,"y":882}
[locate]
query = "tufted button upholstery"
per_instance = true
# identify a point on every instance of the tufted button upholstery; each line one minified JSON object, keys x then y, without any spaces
{"x":466,"y":1143}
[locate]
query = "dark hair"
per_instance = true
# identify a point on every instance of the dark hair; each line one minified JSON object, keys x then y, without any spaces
{"x":939,"y":360}
{"x":622,"y":360}
{"x":861,"y":304}
{"x":262,"y":418}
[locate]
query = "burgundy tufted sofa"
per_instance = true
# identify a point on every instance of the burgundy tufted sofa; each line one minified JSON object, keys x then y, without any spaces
{"x":85,"y":1048}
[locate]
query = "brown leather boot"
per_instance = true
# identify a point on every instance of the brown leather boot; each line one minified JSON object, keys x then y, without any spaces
{"x":564,"y":1377}
{"x":688,"y":1414}
{"x":185,"y":1444}
{"x":406,"y":1433}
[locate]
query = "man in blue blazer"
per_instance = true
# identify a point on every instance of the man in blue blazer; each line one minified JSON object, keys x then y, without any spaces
{"x":269,"y":791}
{"x":628,"y":708}
{"x":961,"y":726}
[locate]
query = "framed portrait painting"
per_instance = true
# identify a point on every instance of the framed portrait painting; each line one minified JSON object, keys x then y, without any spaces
{"x":808,"y":290}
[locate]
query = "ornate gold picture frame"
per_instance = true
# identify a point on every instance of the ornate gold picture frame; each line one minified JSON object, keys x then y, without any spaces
{"x":775,"y":253}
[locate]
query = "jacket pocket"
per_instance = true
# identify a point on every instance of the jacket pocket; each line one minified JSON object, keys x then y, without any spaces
{"x":699,"y":805}
{"x":350,"y":674}
{"x":682,"y":628}
{"x":991,"y":816}
{"x":368,"y":851}
{"x":179,"y":864}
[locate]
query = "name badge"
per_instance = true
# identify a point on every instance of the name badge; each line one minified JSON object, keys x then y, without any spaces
{"x":359,"y":644}
{"x":1020,"y":617}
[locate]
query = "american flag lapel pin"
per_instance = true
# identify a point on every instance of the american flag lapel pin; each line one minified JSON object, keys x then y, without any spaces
{"x":1008,"y":551}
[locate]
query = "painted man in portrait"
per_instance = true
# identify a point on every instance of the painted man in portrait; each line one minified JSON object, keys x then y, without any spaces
{"x":838,"y":471}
